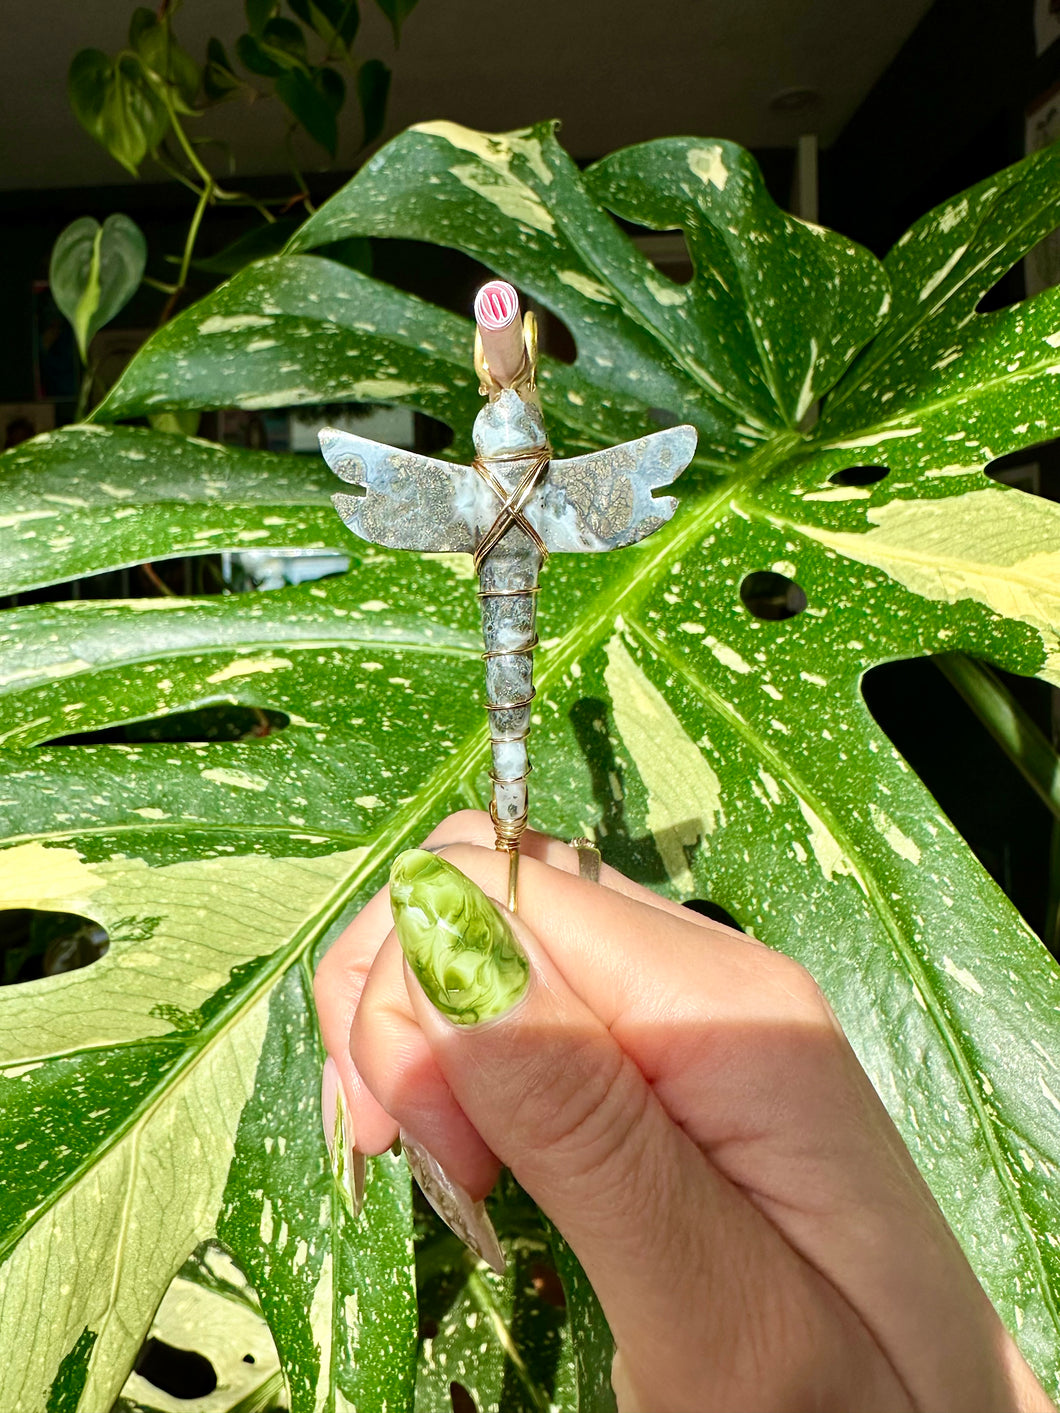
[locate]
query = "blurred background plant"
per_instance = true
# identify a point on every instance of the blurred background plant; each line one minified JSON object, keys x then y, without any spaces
{"x":149,"y":105}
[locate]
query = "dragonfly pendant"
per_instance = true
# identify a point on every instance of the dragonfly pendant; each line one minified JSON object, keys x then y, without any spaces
{"x":510,"y":509}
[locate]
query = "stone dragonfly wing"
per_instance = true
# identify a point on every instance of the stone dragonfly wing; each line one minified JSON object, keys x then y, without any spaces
{"x":604,"y":500}
{"x":408,"y":501}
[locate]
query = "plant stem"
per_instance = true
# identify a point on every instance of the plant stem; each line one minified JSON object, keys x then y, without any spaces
{"x":1026,"y":746}
{"x":244,"y":198}
{"x":151,"y":574}
{"x":296,"y":169}
{"x":174,"y":171}
{"x":188,"y":147}
{"x":192,"y":236}
{"x":207,"y":178}
{"x":220,"y":193}
{"x":84,"y":391}
{"x":189,"y":247}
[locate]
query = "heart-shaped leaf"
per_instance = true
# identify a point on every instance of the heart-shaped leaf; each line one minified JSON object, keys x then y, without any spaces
{"x":336,"y":21}
{"x":154,"y":41}
{"x":115,"y":101}
{"x":397,"y":12}
{"x":285,"y":41}
{"x":311,"y":104}
{"x":219,"y":78}
{"x":258,"y":13}
{"x":254,"y":56}
{"x":95,"y":270}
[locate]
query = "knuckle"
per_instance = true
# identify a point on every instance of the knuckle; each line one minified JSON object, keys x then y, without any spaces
{"x":583,"y":1110}
{"x":806,"y":1001}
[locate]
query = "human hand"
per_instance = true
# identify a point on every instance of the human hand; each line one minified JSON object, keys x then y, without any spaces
{"x":682,"y":1103}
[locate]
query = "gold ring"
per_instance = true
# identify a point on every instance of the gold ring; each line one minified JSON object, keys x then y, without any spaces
{"x":588,"y":858}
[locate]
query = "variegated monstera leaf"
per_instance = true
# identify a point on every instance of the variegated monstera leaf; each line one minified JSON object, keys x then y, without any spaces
{"x":167,"y":1094}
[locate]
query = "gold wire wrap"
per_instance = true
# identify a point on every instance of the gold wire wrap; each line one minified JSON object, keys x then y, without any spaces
{"x":511,"y":652}
{"x":508,"y":832}
{"x":511,"y":511}
{"x":513,"y":706}
{"x":509,"y":779}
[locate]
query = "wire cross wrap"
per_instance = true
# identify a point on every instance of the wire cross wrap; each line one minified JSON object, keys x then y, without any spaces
{"x":512,"y":503}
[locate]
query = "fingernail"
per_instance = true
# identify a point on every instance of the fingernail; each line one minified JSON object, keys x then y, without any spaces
{"x":347,"y":1165}
{"x":457,"y":941}
{"x":464,"y":1217}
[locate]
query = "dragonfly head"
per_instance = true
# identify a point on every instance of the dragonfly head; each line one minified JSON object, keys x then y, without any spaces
{"x":508,"y":427}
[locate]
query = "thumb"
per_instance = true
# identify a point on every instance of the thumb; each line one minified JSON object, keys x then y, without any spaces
{"x":556,"y":1098}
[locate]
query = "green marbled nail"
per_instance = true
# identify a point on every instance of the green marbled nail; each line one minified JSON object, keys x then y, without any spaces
{"x":457,"y":941}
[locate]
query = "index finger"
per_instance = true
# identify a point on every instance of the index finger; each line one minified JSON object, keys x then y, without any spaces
{"x":476,"y":827}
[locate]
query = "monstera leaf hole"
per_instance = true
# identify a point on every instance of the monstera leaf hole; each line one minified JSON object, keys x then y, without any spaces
{"x":192,"y":575}
{"x":987,"y":800}
{"x":547,"y":1284}
{"x":768,"y":594}
{"x":667,"y":250}
{"x":222,"y":721}
{"x":461,"y":1400}
{"x":859,"y":475}
{"x":1011,"y":288}
{"x":182,"y":1373}
{"x":714,"y":911}
{"x":36,"y":943}
{"x":208,"y":1342}
{"x":1035,"y":471}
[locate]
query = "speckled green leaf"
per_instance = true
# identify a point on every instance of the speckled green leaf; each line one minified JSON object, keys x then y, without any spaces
{"x":591,"y":1347}
{"x":131,"y":1089}
{"x":497,"y":1339}
{"x":744,"y":347}
{"x":88,"y":498}
{"x":938,"y":364}
{"x":289,"y":331}
{"x":212,"y":1311}
{"x":715,"y":753}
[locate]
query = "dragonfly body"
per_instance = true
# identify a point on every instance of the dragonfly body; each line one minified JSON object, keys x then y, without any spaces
{"x":510,"y":508}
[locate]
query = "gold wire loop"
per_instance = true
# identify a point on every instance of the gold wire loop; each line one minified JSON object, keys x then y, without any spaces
{"x":529,"y":647}
{"x":509,"y":593}
{"x":508,"y":831}
{"x":511,"y":706}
